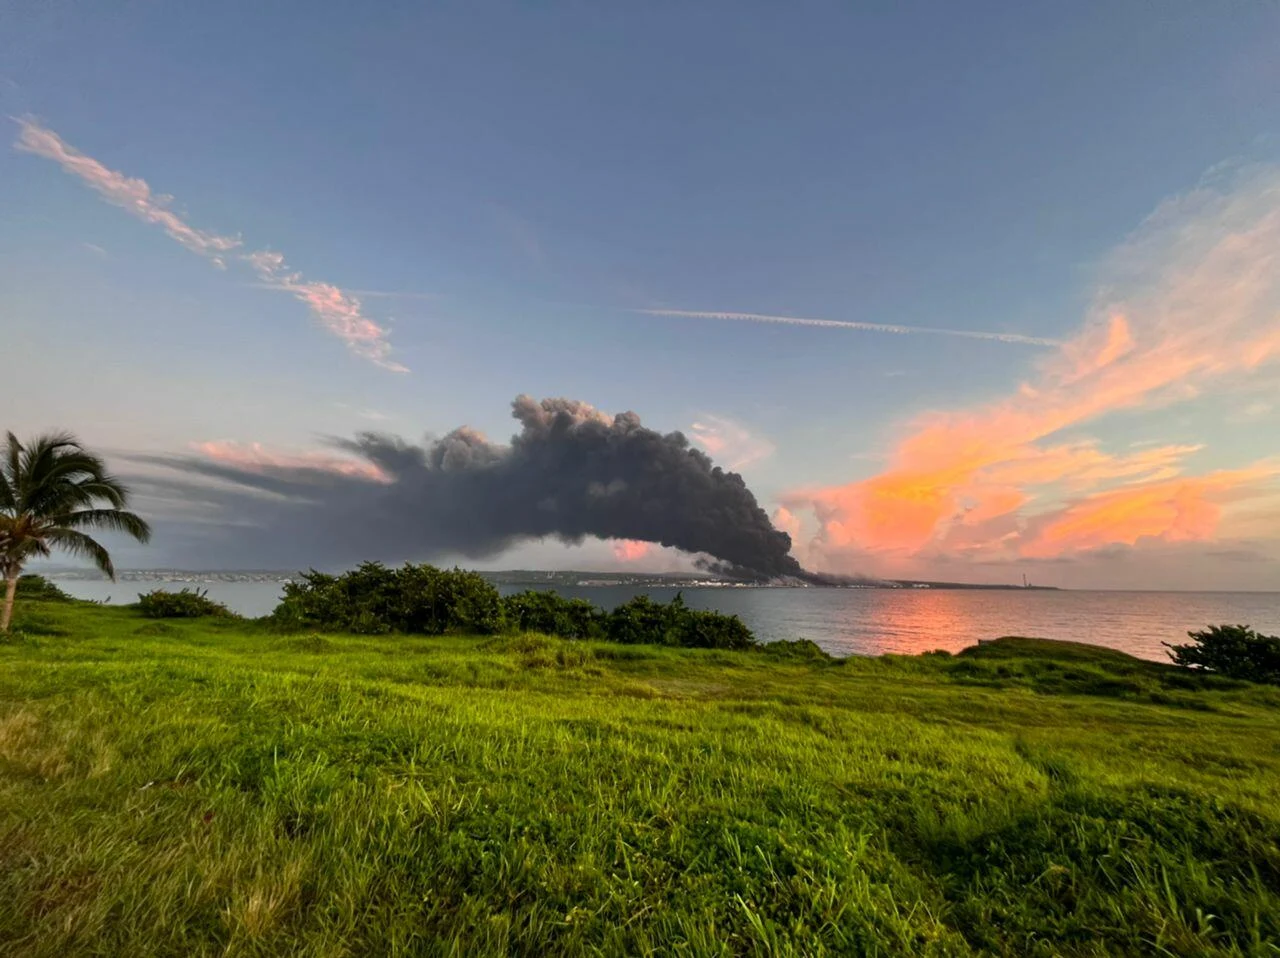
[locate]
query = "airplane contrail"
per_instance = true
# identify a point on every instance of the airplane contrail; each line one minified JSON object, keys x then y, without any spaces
{"x":850,"y":324}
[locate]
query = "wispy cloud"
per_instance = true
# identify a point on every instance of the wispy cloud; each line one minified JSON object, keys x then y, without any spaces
{"x":849,"y":324}
{"x":393,"y":294}
{"x":730,"y":443}
{"x":95,"y":249}
{"x":337,"y":310}
{"x":1172,"y":510}
{"x":126,"y":192}
{"x":1190,"y":307}
{"x":255,"y":457}
{"x":372,"y":415}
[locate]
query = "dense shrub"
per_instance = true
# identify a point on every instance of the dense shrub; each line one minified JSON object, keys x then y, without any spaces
{"x":699,"y":629}
{"x":424,"y":600}
{"x":1236,"y":651}
{"x":183,"y":604}
{"x":642,"y":620}
{"x":448,"y":600}
{"x":373,"y":599}
{"x":38,"y":587}
{"x":552,"y":614}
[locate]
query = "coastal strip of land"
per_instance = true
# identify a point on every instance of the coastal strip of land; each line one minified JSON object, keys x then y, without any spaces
{"x":212,"y":786}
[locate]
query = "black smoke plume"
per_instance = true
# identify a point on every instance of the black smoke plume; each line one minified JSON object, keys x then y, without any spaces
{"x":571,"y":472}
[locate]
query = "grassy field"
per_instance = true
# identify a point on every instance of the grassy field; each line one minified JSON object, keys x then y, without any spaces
{"x":206,"y":787}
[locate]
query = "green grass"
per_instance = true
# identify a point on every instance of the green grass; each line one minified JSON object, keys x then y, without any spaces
{"x":208,"y":787}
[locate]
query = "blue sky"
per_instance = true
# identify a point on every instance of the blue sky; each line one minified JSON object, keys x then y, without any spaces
{"x":504,"y":189}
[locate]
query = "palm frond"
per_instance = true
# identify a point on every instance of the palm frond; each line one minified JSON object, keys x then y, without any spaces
{"x":70,"y":466}
{"x":113,"y":520}
{"x":105,"y":487}
{"x":79,"y":544}
{"x":52,"y":488}
{"x":8,"y":500}
{"x":13,"y":460}
{"x":63,"y":474}
{"x":39,"y":454}
{"x":63,"y":496}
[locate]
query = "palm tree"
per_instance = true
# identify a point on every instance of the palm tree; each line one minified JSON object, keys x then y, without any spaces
{"x":51,"y":489}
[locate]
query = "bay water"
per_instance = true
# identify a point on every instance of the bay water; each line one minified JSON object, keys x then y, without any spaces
{"x":876,"y":621}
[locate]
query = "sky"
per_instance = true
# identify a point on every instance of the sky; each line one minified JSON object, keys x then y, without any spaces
{"x":962,"y":294}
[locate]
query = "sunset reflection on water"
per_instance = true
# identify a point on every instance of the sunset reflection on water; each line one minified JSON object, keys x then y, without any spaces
{"x":911,"y":621}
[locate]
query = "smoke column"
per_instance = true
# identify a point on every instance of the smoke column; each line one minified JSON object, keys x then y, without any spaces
{"x":570,"y":472}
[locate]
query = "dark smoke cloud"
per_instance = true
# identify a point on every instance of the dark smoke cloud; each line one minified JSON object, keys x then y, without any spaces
{"x":571,"y":472}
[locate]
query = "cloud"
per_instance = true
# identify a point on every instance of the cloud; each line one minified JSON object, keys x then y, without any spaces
{"x":844,"y":324}
{"x":1190,"y":304}
{"x":572,"y":471}
{"x":729,"y":442}
{"x":1259,"y":409}
{"x":336,"y":310}
{"x":1240,"y":555}
{"x":254,"y":457}
{"x":372,"y":415}
{"x":630,"y":550}
{"x":1175,"y":510}
{"x":126,"y":192}
{"x":95,"y":249}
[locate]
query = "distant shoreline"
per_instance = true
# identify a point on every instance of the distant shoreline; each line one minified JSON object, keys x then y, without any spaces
{"x":574,"y":579}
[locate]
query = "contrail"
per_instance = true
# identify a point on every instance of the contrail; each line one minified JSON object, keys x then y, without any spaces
{"x":849,"y":324}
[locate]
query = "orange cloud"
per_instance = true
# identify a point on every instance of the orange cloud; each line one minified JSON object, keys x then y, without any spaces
{"x":1173,"y":511}
{"x":1192,"y":304}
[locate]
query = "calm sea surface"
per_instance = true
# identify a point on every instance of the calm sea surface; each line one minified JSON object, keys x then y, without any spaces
{"x":873,"y":621}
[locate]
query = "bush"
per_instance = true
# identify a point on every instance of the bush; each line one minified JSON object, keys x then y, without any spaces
{"x":698,"y":629}
{"x":184,"y":604}
{"x":38,"y":587}
{"x":800,"y":649}
{"x":434,"y":601}
{"x":424,"y":600}
{"x":1235,"y":651}
{"x":641,"y":620}
{"x":373,"y":599}
{"x":552,"y":614}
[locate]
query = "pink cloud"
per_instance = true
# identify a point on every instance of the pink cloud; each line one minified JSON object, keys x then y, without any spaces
{"x":256,"y":457}
{"x":337,"y":310}
{"x":130,"y":194}
{"x":630,"y":550}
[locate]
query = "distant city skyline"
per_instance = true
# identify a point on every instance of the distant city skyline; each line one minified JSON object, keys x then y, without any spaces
{"x":962,"y":294}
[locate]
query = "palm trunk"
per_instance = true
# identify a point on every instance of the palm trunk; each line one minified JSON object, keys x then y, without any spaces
{"x":10,"y":592}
